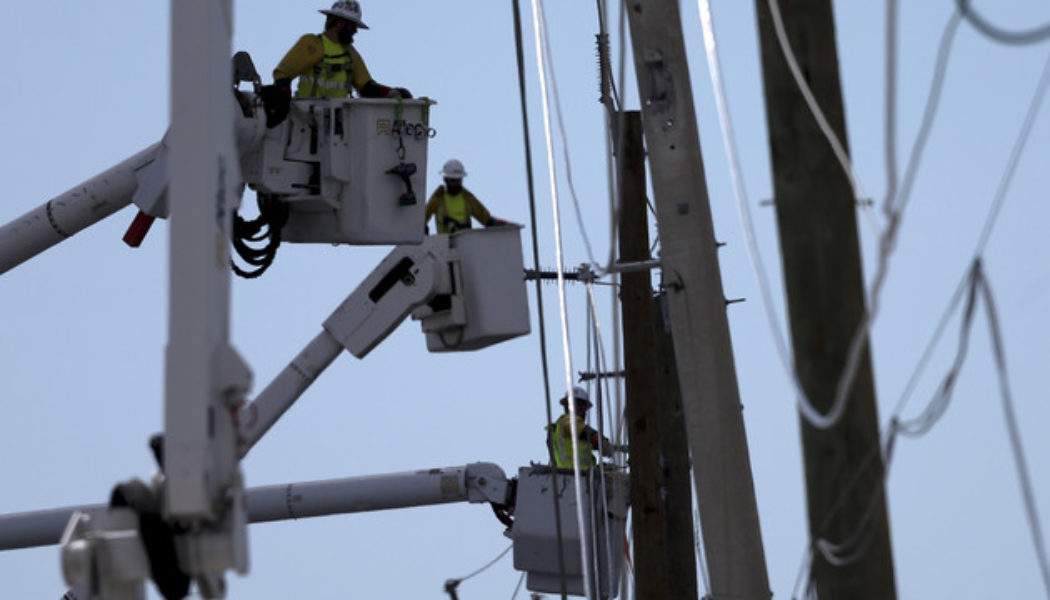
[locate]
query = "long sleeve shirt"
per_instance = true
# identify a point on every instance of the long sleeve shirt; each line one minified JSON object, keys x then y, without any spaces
{"x":308,"y":51}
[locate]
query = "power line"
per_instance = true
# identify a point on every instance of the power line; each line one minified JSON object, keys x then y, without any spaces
{"x":1015,"y":156}
{"x":452,"y":584}
{"x":1004,"y":36}
{"x":545,"y":62}
{"x":818,"y":114}
{"x":986,"y":230}
{"x":519,"y":53}
{"x":740,"y":196}
{"x":539,"y":35}
{"x":973,"y":282}
{"x":933,"y":98}
{"x":1014,"y":433}
{"x":891,"y":102}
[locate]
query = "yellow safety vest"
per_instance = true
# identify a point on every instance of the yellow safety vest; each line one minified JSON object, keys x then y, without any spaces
{"x":453,"y":214}
{"x":331,"y":76}
{"x":563,"y":449}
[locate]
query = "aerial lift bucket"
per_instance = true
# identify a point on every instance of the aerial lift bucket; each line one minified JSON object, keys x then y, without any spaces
{"x":350,"y":171}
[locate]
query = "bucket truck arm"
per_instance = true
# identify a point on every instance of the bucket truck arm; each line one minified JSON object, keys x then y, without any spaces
{"x":102,"y":548}
{"x":406,"y":279}
{"x":106,"y":556}
{"x":466,"y":286}
{"x":479,"y":482}
{"x":142,"y":178}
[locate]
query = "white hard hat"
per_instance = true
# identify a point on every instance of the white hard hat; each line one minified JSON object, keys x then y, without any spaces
{"x":579,"y":394}
{"x":346,"y":9}
{"x":453,"y":169}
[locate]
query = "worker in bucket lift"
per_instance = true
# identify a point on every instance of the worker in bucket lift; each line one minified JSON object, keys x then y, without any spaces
{"x":326,"y":64}
{"x":452,"y":205}
{"x":559,"y":435}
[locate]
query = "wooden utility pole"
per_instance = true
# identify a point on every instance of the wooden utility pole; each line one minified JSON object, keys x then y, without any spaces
{"x":661,"y":498}
{"x":696,"y":306}
{"x":825,"y":296}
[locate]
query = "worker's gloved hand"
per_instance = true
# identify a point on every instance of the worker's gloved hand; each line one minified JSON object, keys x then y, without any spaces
{"x":277,"y":101}
{"x":494,"y":222}
{"x":399,"y":92}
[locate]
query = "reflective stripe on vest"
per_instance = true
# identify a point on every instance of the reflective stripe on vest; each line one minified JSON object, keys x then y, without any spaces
{"x":331,"y":76}
{"x":452,"y":213}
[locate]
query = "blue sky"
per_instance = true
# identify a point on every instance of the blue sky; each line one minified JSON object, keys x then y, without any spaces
{"x":84,"y":325}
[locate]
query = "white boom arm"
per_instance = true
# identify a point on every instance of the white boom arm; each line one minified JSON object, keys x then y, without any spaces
{"x":139,"y":178}
{"x":476,"y":483}
{"x":105,"y":556}
{"x":406,"y":279}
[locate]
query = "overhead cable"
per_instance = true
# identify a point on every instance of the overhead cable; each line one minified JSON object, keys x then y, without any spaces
{"x":1014,"y":432}
{"x":973,"y":282}
{"x":986,"y":230}
{"x":890,"y":82}
{"x":893,"y":208}
{"x":600,"y":363}
{"x":978,"y":284}
{"x":743,"y":210}
{"x":452,"y":584}
{"x":540,"y":34}
{"x":519,"y":53}
{"x":818,"y":114}
{"x":547,"y":64}
{"x":938,"y":404}
{"x":1015,"y":156}
{"x":899,"y":199}
{"x":998,"y":34}
{"x":517,"y":588}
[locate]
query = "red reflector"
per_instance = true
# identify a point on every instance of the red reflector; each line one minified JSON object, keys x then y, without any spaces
{"x":138,"y":229}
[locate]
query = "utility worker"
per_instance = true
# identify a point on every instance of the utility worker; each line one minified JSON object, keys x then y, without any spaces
{"x":559,"y":435}
{"x":327,"y":64}
{"x":452,"y":205}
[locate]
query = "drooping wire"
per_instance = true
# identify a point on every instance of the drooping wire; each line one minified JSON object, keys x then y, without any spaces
{"x":539,"y":290}
{"x":902,"y":194}
{"x":938,"y":405}
{"x":986,"y":230}
{"x":977,"y":283}
{"x":452,"y":584}
{"x":1004,"y":36}
{"x":894,"y":211}
{"x":973,"y":281}
{"x":806,"y":408}
{"x":1010,"y":416}
{"x":740,"y":196}
{"x":539,"y":34}
{"x":517,"y":588}
{"x":818,"y":114}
